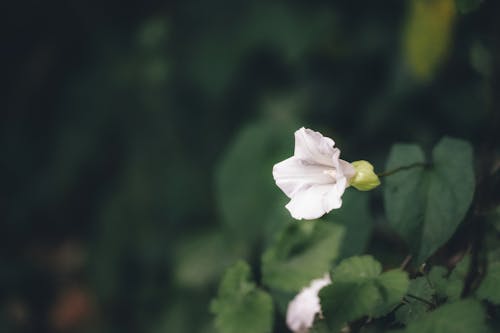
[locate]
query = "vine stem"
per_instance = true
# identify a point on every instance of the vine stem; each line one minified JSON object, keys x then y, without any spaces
{"x":402,"y":168}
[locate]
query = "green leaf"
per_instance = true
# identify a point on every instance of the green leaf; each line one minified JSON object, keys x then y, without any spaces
{"x":356,"y":219}
{"x":426,"y":205}
{"x":240,"y":306}
{"x":467,"y":6}
{"x":489,"y":288}
{"x":360,"y":289}
{"x":414,"y":308}
{"x":461,"y":317}
{"x":302,"y":252}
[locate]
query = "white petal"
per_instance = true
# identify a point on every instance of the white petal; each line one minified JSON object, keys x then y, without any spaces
{"x":302,"y":310}
{"x":347,"y":169}
{"x":333,"y":199}
{"x":315,"y":177}
{"x":313,"y":146}
{"x":304,"y":307}
{"x":293,"y":175}
{"x":318,"y":284}
{"x":315,"y":201}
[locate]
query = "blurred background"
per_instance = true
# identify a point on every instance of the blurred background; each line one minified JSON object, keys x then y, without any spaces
{"x":138,"y":137}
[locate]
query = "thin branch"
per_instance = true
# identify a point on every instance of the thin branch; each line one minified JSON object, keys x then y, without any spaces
{"x":421,"y":300}
{"x":406,"y":262}
{"x":403,"y":168}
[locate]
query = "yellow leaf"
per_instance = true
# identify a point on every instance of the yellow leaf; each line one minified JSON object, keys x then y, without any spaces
{"x":427,"y":36}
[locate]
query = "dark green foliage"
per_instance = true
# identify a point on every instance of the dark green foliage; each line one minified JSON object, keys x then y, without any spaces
{"x":138,"y":139}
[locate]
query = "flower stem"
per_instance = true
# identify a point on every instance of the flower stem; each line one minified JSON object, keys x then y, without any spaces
{"x":402,"y":168}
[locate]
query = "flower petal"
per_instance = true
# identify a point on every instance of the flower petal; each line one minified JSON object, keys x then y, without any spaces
{"x":313,"y":146}
{"x":293,"y":175}
{"x":315,"y":177}
{"x":347,"y":169}
{"x":315,"y":201}
{"x":305,"y":305}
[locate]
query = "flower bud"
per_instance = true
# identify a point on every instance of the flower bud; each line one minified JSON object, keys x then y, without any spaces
{"x":365,"y":178}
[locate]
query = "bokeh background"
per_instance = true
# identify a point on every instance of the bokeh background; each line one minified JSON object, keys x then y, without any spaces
{"x":137,"y":137}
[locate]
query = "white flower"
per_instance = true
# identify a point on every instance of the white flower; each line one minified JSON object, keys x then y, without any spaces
{"x":314,"y":178}
{"x":304,"y":307}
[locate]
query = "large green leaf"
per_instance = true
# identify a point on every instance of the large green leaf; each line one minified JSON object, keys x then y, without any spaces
{"x":240,"y":306}
{"x":425,"y":205}
{"x":302,"y":252}
{"x":461,"y":317}
{"x":360,"y":289}
{"x":355,"y":217}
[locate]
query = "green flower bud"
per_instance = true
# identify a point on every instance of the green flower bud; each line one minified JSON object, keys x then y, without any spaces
{"x":365,"y":179}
